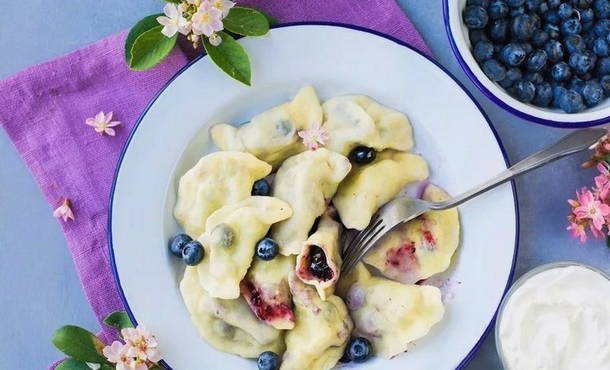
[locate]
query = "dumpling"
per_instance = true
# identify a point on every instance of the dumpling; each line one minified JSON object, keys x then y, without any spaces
{"x":319,"y":263}
{"x":272,"y":135}
{"x":266,"y":290}
{"x":218,"y":179}
{"x":389,"y":314}
{"x":229,"y":242}
{"x":368,"y":187}
{"x":359,"y":120}
{"x":306,"y":181}
{"x":227,"y":325}
{"x":321,"y":331}
{"x":419,"y":248}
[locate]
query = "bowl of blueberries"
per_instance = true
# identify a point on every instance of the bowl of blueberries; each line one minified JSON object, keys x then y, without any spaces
{"x":547,"y":61}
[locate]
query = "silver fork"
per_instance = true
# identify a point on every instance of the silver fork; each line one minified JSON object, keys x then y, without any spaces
{"x":404,"y":209}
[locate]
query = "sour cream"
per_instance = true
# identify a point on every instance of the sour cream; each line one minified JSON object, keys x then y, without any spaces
{"x":559,"y":319}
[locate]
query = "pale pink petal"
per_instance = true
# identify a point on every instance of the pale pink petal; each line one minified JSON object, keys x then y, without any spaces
{"x":169,"y":30}
{"x":109,"y":131}
{"x":153,"y":354}
{"x":170,"y":10}
{"x":114,"y":351}
{"x":109,"y":116}
{"x":99,"y":130}
{"x":90,"y":122}
{"x":100,"y":117}
{"x":113,"y":123}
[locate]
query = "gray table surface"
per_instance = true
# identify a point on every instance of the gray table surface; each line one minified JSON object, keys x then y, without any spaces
{"x":40,"y":289}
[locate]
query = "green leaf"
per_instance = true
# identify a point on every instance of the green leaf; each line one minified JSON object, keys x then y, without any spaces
{"x":173,"y":1}
{"x":270,"y":19}
{"x":79,"y":344}
{"x":119,"y":320}
{"x":72,"y":364}
{"x":146,"y":46}
{"x":142,"y":26}
{"x":231,"y":57}
{"x":156,"y":367}
{"x":246,"y":21}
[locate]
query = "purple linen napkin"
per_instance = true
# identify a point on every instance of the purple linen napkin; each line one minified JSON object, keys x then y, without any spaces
{"x":43,"y":109}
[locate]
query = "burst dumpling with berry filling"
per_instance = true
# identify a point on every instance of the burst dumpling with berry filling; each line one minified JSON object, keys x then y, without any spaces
{"x":354,"y":120}
{"x":321,"y":331}
{"x":218,"y":179}
{"x":319,"y":263}
{"x":272,"y":135}
{"x":227,"y":325}
{"x":306,"y":181}
{"x":229,"y":242}
{"x":421,"y":247}
{"x":266,"y":290}
{"x":368,"y":187}
{"x":389,"y":314}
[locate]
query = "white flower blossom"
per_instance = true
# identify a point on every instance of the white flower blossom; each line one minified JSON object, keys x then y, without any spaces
{"x":173,"y":21}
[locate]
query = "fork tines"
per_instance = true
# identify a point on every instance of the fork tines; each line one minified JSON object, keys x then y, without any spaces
{"x":362,"y":242}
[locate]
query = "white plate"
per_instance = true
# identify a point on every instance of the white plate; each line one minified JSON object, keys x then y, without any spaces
{"x":450,"y":131}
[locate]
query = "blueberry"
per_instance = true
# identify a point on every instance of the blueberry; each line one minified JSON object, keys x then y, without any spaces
{"x":536,"y":60}
{"x":571,"y":102}
{"x":192,"y":253}
{"x":515,"y":3}
{"x":222,"y":235}
{"x":483,"y":50}
{"x":177,"y":243}
{"x":261,"y":187}
{"x":586,"y":15}
{"x":494,"y":70}
{"x":533,"y":5}
{"x":571,"y":27}
{"x":582,"y":63}
{"x":574,"y":44}
{"x":577,"y":84}
{"x":602,"y":8}
{"x":587,"y":76}
{"x":565,"y":11}
{"x":268,"y":361}
{"x":498,"y":30}
{"x":317,"y":264}
{"x":267,"y":249}
{"x":483,"y":3}
{"x":544,"y":95}
{"x":513,"y":54}
{"x":593,"y":93}
{"x":554,"y":50}
{"x":543,"y":8}
{"x":477,"y":35}
{"x":539,"y":38}
{"x":558,"y":93}
{"x":552,"y":30}
{"x":603,"y":66}
{"x":517,"y":11}
{"x":600,"y":47}
{"x":514,"y":74}
{"x":536,"y":19}
{"x":534,"y":77}
{"x":605,"y":84}
{"x":506,"y":83}
{"x":497,"y":9}
{"x":523,"y":27}
{"x":561,"y":71}
{"x":359,"y":349}
{"x":586,"y":26}
{"x":552,"y":17}
{"x":475,"y":17}
{"x":554,"y":3}
{"x":582,"y":4}
{"x":524,"y":91}
{"x":363,"y":155}
{"x":602,"y":28}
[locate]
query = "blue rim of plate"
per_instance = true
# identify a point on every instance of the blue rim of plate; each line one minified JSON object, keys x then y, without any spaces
{"x":474,"y":349}
{"x":491,"y":96}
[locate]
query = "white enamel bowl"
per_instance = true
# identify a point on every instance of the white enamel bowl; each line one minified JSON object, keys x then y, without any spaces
{"x":450,"y":132}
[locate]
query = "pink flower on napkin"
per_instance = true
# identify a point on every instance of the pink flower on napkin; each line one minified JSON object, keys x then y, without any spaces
{"x":315,"y":136}
{"x":207,"y":20}
{"x":64,"y":211}
{"x":173,"y":21}
{"x":103,"y":123}
{"x":118,"y":353}
{"x":143,"y":344}
{"x":591,"y":208}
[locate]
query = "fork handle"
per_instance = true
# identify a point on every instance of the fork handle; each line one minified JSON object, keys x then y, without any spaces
{"x":569,"y":144}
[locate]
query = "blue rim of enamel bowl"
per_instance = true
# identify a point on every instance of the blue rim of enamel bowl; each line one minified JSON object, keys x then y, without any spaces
{"x":494,"y":98}
{"x":491,"y":324}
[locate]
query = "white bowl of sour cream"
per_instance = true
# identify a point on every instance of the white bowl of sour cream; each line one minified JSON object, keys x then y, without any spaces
{"x":556,"y":316}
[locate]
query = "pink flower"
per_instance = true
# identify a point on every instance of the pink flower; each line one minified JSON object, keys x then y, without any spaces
{"x":119,"y":354}
{"x":103,"y":123}
{"x":578,"y":231}
{"x":143,"y":344}
{"x":602,"y":181}
{"x":224,"y":6}
{"x":314,"y":136}
{"x":64,"y":211}
{"x":207,"y":20}
{"x":591,"y":208}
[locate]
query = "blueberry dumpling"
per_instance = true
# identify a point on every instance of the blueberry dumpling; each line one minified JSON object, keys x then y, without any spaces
{"x":306,"y":181}
{"x":230,"y":239}
{"x":419,"y":248}
{"x":227,"y":325}
{"x":272,"y":135}
{"x":355,"y":120}
{"x":319,"y":263}
{"x":321,"y":330}
{"x":218,"y":179}
{"x":368,"y":187}
{"x":266,"y":290}
{"x":391,"y":315}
